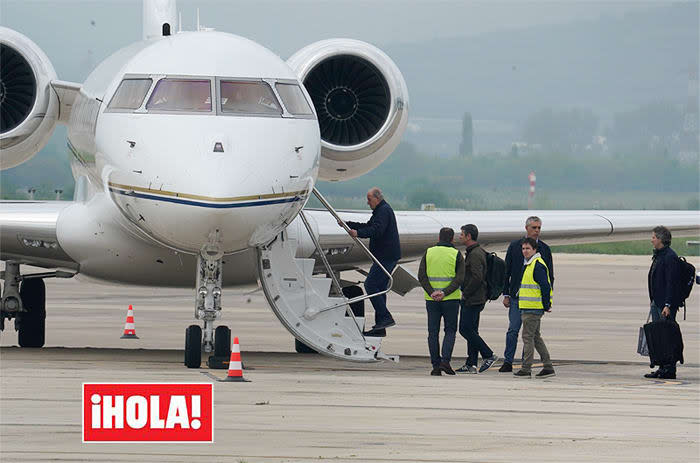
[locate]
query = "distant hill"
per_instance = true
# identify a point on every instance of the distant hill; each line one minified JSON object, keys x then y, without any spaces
{"x":608,"y":65}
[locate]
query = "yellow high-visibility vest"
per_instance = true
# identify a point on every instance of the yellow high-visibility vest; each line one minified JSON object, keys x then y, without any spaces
{"x":530,"y":294}
{"x":440,"y":262}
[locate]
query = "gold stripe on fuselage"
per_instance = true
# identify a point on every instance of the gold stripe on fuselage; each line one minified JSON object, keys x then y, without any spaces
{"x":208,"y":198}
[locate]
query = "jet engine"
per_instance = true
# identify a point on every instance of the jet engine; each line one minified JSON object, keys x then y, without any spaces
{"x":28,"y":104}
{"x":361,"y":101}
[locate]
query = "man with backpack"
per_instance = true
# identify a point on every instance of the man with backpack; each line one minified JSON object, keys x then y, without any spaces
{"x":472,"y":303}
{"x":514,"y":275}
{"x":662,"y":281}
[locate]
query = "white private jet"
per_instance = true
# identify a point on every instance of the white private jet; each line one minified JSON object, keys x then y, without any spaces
{"x":194,"y":154}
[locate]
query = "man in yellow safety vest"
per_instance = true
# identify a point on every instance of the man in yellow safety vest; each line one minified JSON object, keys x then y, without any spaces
{"x":440,"y":274}
{"x":534,"y":299}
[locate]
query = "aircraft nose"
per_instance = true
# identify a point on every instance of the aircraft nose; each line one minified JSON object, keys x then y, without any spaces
{"x":222,"y":220}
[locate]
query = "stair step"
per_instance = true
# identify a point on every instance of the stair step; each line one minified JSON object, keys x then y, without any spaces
{"x":321,"y":285}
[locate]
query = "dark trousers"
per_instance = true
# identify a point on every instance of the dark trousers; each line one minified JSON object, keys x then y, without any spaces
{"x":469,"y":316}
{"x":378,"y":281}
{"x":436,"y":311}
{"x":656,"y":316}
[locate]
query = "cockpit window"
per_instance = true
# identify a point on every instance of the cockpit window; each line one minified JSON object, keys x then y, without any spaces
{"x":248,"y":98}
{"x":187,"y":95}
{"x":130,"y":94}
{"x":293,"y":99}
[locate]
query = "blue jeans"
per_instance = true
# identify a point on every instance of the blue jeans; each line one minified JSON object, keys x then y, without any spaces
{"x":469,"y":316}
{"x":513,"y":330}
{"x":437,"y":310}
{"x":377,"y":281}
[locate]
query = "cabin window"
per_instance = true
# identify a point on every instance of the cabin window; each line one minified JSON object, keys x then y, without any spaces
{"x":241,"y":97}
{"x":293,"y":99}
{"x":184,"y":95}
{"x":130,"y":94}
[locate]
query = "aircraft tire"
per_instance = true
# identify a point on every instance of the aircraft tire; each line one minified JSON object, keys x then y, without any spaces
{"x":302,"y":348}
{"x":222,"y":341}
{"x":193,"y":346}
{"x":32,"y":324}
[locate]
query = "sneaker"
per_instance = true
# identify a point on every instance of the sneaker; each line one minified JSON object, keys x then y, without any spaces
{"x":436,"y":372}
{"x":466,"y":368}
{"x":522,"y":374}
{"x":653,"y":374}
{"x":488,"y":362}
{"x":667,"y":374}
{"x":384,"y":324}
{"x":445,"y":366}
{"x":507,"y":367}
{"x":545,"y":373}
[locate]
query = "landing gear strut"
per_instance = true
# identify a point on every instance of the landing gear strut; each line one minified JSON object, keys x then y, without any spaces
{"x":24,"y":299}
{"x":208,"y":309}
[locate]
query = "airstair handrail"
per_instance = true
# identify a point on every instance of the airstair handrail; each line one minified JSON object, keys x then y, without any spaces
{"x":330,"y":209}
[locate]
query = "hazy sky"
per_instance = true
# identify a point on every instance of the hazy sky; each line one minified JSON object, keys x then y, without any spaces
{"x":77,"y":34}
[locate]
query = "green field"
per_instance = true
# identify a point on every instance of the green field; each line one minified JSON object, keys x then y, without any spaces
{"x":638,"y":247}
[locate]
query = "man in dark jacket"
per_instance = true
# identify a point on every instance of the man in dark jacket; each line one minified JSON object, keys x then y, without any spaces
{"x":514,"y":274}
{"x":660,"y":280}
{"x":473,"y":302}
{"x":440,"y":273}
{"x":384,"y":244}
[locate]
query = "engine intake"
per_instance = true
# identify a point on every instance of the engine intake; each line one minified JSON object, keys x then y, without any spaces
{"x":28,"y":106}
{"x":361,"y":101}
{"x":17,"y":88}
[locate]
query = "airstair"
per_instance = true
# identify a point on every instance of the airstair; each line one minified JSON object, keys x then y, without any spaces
{"x":315,"y":314}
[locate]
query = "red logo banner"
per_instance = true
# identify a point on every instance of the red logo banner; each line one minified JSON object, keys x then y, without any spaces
{"x":148,"y":412}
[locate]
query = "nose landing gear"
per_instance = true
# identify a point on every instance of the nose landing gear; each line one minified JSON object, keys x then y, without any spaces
{"x":208,"y":309}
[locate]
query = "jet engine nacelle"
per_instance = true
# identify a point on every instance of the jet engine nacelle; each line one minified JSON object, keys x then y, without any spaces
{"x":361,"y":100}
{"x":28,"y":104}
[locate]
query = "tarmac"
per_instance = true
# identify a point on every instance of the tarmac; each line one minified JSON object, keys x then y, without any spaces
{"x":307,"y":407}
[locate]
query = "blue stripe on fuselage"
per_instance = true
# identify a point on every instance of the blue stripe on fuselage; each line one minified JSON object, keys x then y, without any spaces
{"x":199,"y":204}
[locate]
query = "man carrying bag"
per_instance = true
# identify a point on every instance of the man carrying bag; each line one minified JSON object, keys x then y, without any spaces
{"x":663,"y":335}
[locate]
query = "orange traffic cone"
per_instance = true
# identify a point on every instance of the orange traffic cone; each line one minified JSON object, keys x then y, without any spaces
{"x":129,"y":328}
{"x":235,"y":367}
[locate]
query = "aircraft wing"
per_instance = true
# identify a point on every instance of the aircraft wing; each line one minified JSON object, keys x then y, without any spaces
{"x":28,"y":233}
{"x":418,"y":230}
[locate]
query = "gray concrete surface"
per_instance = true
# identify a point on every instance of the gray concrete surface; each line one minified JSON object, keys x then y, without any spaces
{"x":301,"y":408}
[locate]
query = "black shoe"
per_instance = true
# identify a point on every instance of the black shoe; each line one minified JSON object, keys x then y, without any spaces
{"x":667,"y":374}
{"x":522,"y":374}
{"x":436,"y":372}
{"x":388,"y":323}
{"x":545,"y":373}
{"x":488,"y":362}
{"x":375,"y":333}
{"x":445,"y":366}
{"x":507,"y":367}
{"x":653,"y":374}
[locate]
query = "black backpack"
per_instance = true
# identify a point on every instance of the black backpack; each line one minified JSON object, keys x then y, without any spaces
{"x":684,"y":283}
{"x":496,"y":276}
